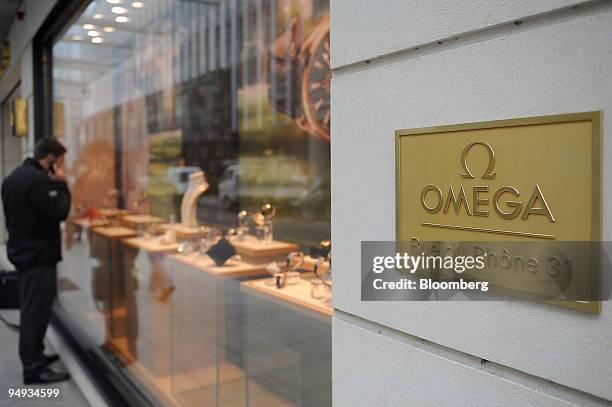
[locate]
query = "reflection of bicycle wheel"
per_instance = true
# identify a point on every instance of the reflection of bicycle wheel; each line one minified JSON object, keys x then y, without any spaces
{"x":316,"y":83}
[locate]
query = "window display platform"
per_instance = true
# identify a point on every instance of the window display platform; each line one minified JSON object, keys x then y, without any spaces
{"x":134,"y":221}
{"x":86,"y":223}
{"x":194,"y":333}
{"x":298,"y":294}
{"x":231,"y":269}
{"x":151,"y":245}
{"x":114,"y":232}
{"x":184,"y":232}
{"x":253,"y":248}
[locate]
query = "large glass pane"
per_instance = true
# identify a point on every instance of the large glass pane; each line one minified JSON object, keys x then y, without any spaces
{"x":178,"y":115}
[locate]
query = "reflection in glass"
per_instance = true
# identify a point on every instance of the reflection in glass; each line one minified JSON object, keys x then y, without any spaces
{"x":146,"y":99}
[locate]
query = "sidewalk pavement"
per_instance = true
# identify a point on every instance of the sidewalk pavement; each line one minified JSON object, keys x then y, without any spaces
{"x":10,"y":373}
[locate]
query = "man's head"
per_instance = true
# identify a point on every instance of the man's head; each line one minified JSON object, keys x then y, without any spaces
{"x":47,"y":151}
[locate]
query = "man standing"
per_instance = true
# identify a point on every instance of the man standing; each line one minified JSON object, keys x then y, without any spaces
{"x":36,"y":199}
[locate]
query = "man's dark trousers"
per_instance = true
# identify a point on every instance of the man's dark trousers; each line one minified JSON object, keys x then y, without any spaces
{"x":37,"y":290}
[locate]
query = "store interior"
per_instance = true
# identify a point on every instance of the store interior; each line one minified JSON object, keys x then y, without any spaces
{"x":197,"y":256}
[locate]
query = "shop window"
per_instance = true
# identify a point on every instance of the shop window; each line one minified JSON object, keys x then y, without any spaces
{"x":190,"y":124}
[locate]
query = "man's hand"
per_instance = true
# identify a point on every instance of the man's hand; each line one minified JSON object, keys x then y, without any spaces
{"x":58,"y":173}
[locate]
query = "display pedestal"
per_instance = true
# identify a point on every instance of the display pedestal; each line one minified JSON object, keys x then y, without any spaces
{"x":84,"y":223}
{"x":253,"y":251}
{"x":288,"y":341}
{"x":77,"y":225}
{"x":115,"y":232}
{"x":151,"y":245}
{"x":297,"y":295}
{"x":147,"y":288}
{"x":184,"y":232}
{"x":208,"y":330}
{"x":111,"y":212}
{"x":134,"y":221}
{"x":105,"y":247}
{"x":231,"y":270}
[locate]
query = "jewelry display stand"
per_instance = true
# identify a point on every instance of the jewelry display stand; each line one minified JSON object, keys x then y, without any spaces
{"x":115,"y":232}
{"x":297,"y":294}
{"x":302,"y":341}
{"x":207,"y":265}
{"x":151,"y":245}
{"x":147,"y":289}
{"x":87,"y":223}
{"x":112,"y":212}
{"x":133,"y":221}
{"x":208,"y":329}
{"x":189,"y":204}
{"x":105,"y":246}
{"x":255,"y":252}
{"x":184,"y":232}
{"x":77,"y":225}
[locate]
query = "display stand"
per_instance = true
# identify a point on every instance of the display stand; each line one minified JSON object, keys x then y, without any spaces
{"x":207,"y":265}
{"x":297,"y":295}
{"x":115,"y":232}
{"x":184,"y":232}
{"x":151,"y":245}
{"x":105,"y":247}
{"x":147,"y":288}
{"x":252,"y":247}
{"x":136,"y":221}
{"x":287,"y":345}
{"x":207,"y":330}
{"x":112,"y":212}
{"x":77,"y":225}
{"x":256,"y":252}
{"x":84,"y":223}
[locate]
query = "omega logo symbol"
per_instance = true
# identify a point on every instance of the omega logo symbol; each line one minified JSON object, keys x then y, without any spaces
{"x":505,"y":201}
{"x":489,"y":173}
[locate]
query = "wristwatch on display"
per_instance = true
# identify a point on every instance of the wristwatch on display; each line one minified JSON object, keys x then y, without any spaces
{"x":305,"y":68}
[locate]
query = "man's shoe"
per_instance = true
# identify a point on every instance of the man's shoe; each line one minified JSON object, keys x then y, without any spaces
{"x":46,"y":375}
{"x":50,"y":359}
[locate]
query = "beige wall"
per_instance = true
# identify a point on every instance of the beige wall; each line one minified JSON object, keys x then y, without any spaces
{"x":414,"y":64}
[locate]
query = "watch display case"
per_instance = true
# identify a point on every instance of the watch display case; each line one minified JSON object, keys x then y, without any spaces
{"x":287,"y":346}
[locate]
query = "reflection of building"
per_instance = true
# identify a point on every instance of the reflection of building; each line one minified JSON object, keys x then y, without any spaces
{"x":206,"y":73}
{"x":207,"y":136}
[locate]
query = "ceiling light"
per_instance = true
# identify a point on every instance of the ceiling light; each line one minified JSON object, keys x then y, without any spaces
{"x":113,"y":1}
{"x":98,"y":16}
{"x":88,"y":26}
{"x":77,"y":37}
{"x":108,"y":29}
{"x":96,"y":40}
{"x":138,"y":4}
{"x":118,"y":10}
{"x":93,"y":33}
{"x":122,"y":19}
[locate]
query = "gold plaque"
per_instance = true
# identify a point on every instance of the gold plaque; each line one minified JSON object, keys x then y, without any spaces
{"x":19,"y":117}
{"x":528,"y":179}
{"x":58,"y":119}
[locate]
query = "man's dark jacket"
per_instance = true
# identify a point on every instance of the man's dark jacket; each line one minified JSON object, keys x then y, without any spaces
{"x":34,"y":206}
